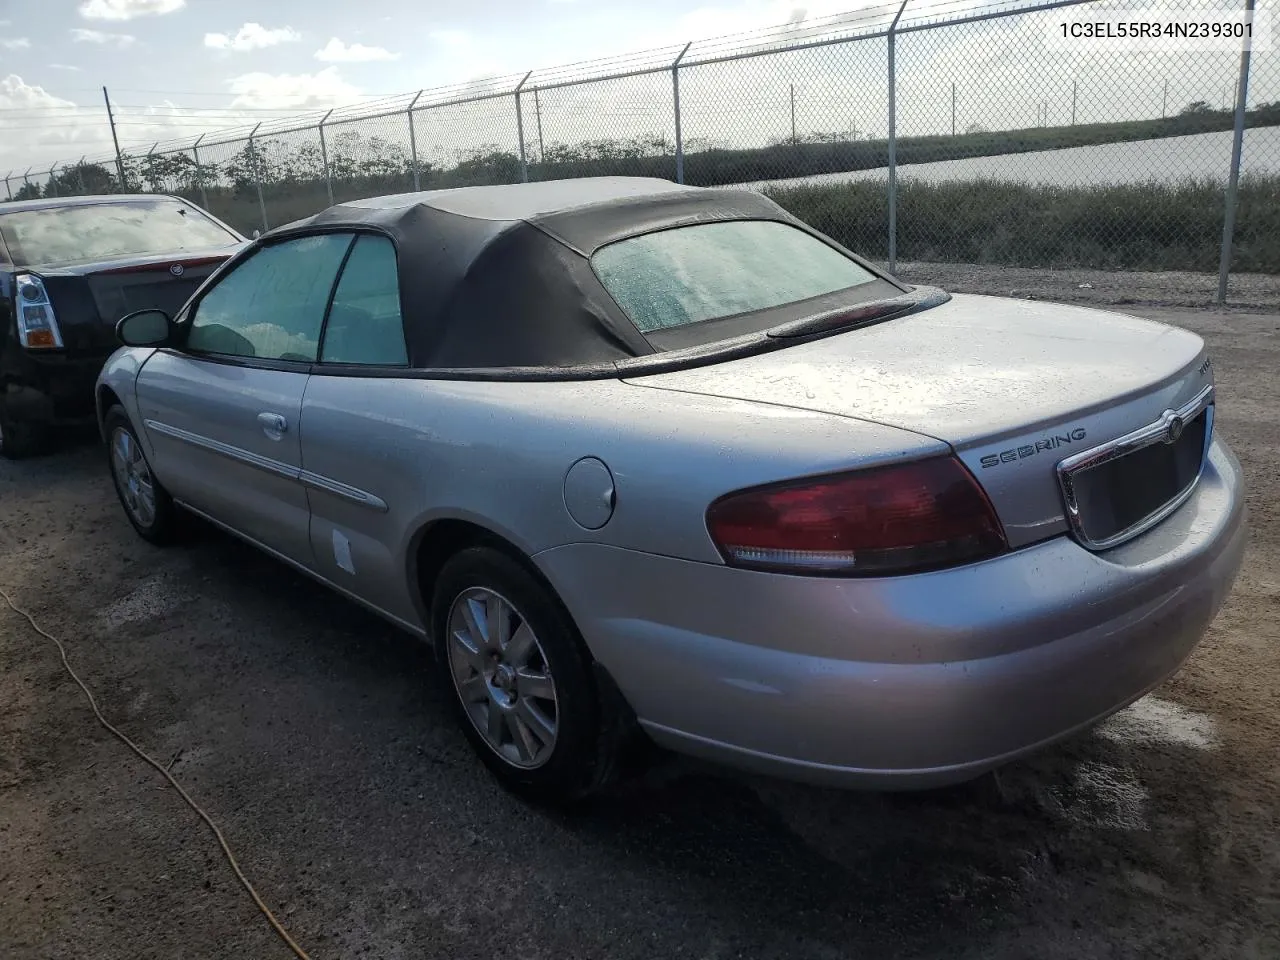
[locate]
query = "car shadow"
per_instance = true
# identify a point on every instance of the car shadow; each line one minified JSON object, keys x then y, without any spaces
{"x":796,"y":870}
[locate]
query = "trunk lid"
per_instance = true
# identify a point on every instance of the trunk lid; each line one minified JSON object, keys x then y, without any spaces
{"x":1014,"y":386}
{"x":89,"y":298}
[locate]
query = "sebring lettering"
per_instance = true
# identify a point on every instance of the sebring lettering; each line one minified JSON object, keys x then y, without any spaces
{"x":1031,"y":449}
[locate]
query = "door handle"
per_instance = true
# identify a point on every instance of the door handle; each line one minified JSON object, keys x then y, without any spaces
{"x":273,"y":425}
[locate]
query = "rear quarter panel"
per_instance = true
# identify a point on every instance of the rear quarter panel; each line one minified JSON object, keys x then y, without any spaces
{"x":496,"y":454}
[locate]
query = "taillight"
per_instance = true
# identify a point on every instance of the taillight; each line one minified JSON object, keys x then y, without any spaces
{"x":905,"y":518}
{"x":37,"y":325}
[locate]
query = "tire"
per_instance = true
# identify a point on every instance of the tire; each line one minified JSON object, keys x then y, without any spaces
{"x":580,"y":758}
{"x":132,"y":478}
{"x":20,"y":439}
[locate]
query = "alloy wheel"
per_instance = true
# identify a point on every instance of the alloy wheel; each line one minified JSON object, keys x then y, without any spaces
{"x":133,"y":477}
{"x":502,"y":677}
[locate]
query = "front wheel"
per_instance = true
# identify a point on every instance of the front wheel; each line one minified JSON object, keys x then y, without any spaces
{"x":146,"y":503}
{"x":519,"y":678}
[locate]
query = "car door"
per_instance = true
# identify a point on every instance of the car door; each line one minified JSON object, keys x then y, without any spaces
{"x":222,"y":409}
{"x":352,"y":438}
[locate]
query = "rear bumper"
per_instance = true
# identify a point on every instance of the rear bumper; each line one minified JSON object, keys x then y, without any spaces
{"x":54,"y":389}
{"x":910,"y":681}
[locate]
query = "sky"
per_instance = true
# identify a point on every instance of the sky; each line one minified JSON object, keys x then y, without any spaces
{"x":233,"y":60}
{"x":180,"y":68}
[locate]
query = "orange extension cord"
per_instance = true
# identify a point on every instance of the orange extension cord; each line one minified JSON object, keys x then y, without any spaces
{"x":226,"y":850}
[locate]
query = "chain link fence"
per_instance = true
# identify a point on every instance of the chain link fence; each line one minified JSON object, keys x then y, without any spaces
{"x":964,"y":139}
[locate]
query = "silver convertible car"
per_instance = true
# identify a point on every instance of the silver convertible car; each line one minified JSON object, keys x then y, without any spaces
{"x":643,"y":458}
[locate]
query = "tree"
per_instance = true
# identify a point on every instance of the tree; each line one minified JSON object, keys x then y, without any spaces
{"x":1197,"y":108}
{"x":168,"y":172}
{"x":83,"y":179}
{"x":249,"y":167}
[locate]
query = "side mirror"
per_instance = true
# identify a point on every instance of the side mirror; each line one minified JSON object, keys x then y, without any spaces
{"x":146,"y":328}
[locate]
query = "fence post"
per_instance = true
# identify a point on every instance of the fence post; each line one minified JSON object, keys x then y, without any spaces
{"x":524,"y":165}
{"x":893,"y":141}
{"x":26,"y":178}
{"x":537,"y":109}
{"x":51,"y":185}
{"x":7,"y":188}
{"x":675,"y":96}
{"x":324,"y":159}
{"x":149,"y":153}
{"x":1233,"y":180}
{"x":195,"y":153}
{"x":80,"y":170}
{"x":413,"y":142}
{"x":257,"y":177}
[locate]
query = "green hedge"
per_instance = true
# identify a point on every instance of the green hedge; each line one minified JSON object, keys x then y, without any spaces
{"x":1148,"y":226}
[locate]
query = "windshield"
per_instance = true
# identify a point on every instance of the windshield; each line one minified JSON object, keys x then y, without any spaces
{"x":703,"y":272}
{"x":103,"y":231}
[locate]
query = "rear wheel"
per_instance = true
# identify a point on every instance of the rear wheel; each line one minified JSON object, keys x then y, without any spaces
{"x":146,"y":503}
{"x":519,"y":678}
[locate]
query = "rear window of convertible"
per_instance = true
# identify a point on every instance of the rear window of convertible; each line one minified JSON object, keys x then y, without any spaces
{"x":703,"y":272}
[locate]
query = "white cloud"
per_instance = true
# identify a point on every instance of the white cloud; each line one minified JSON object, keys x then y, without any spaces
{"x":18,"y":43}
{"x":97,"y":36}
{"x":251,"y":36}
{"x":64,"y":66}
{"x":128,"y":9}
{"x":301,"y":91}
{"x":335,"y":51}
{"x":39,"y":148}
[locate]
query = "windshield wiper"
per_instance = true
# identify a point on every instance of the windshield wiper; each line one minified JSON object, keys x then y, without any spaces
{"x":860,"y":314}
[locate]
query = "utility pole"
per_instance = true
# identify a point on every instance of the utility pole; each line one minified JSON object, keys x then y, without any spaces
{"x":115,"y":140}
{"x":793,"y":115}
{"x":1164,"y":104}
{"x":953,"y":109}
{"x":1073,"y":103}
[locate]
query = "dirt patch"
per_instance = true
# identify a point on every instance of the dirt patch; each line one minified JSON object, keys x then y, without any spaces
{"x":309,"y":731}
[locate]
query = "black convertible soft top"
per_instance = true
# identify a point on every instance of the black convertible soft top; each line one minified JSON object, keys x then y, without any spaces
{"x":500,"y":276}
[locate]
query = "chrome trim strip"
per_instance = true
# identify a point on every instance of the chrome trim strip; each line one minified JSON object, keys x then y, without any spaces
{"x":306,"y":477}
{"x":1152,"y":433}
{"x":346,"y":491}
{"x":226,"y":450}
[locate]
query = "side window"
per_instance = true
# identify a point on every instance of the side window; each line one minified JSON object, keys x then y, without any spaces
{"x":364,"y":322}
{"x":272,"y":305}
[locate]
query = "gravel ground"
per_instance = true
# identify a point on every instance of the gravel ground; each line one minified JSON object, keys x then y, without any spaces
{"x":1246,"y":291}
{"x":306,"y":729}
